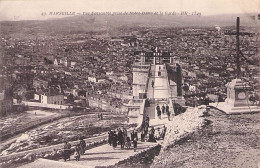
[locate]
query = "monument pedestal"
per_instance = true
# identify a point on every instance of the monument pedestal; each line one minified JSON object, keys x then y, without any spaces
{"x":237,"y":99}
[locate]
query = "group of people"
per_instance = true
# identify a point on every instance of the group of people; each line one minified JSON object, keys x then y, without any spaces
{"x":154,"y":135}
{"x":77,"y":151}
{"x":120,"y":137}
{"x":116,"y":137}
{"x":163,"y":110}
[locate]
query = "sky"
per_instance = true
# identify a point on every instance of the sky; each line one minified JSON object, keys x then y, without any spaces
{"x":33,"y":9}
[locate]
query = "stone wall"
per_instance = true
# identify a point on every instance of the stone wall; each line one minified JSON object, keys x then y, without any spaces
{"x":140,"y":76}
{"x":52,"y":106}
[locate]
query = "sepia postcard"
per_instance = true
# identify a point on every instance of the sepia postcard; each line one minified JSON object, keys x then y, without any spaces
{"x":129,"y":83}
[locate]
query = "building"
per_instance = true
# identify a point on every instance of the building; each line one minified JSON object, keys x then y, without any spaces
{"x":52,"y":99}
{"x":96,"y":80}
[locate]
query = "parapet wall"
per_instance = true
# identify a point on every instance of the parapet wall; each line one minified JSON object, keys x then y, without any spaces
{"x":140,"y":76}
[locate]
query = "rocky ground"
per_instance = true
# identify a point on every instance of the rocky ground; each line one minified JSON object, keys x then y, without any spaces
{"x":16,"y":120}
{"x":226,"y":141}
{"x":65,"y":129}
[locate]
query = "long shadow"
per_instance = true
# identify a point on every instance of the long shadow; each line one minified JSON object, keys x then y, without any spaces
{"x":96,"y":158}
{"x":103,"y":153}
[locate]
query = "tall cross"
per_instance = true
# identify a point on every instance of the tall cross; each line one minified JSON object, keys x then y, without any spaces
{"x":238,"y":51}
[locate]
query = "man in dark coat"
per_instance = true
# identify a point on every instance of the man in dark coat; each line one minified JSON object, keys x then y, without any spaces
{"x":110,"y":137}
{"x":121,"y":138}
{"x":158,"y":111}
{"x":82,"y":145}
{"x":135,"y":135}
{"x":114,"y":140}
{"x":163,"y":109}
{"x":158,"y":108}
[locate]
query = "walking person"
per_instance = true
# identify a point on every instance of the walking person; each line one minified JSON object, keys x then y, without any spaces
{"x":121,"y":138}
{"x":135,"y":144}
{"x":110,"y":137}
{"x":82,"y":145}
{"x":142,"y":136}
{"x":135,"y":135}
{"x":114,"y":140}
{"x":152,"y":84}
{"x":159,"y":72}
{"x":158,"y":111}
{"x":67,"y":147}
{"x":157,"y":108}
{"x":125,"y":135}
{"x":163,"y":109}
{"x":132,"y":135}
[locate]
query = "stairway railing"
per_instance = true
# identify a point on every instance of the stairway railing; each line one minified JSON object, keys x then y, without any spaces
{"x":168,"y":82}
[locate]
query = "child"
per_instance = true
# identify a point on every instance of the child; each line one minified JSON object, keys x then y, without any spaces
{"x":77,"y":152}
{"x":128,"y":143}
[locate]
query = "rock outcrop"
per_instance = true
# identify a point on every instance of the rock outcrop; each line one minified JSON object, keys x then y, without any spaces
{"x":180,"y":128}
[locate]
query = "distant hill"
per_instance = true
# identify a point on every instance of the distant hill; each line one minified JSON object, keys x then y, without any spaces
{"x":82,"y":24}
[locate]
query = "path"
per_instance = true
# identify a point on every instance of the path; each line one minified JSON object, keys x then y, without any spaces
{"x":105,"y":155}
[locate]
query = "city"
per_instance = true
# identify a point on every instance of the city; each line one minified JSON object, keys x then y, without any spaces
{"x":55,"y":85}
